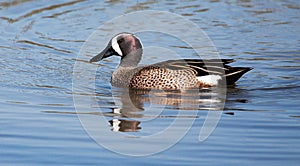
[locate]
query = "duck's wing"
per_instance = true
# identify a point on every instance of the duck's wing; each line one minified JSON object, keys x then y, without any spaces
{"x":207,"y":67}
{"x":200,"y":67}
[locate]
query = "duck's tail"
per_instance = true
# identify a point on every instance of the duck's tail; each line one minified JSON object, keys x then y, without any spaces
{"x":235,"y":73}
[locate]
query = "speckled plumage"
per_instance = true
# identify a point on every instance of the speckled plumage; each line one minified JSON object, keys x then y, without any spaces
{"x":172,"y":74}
{"x":154,"y":77}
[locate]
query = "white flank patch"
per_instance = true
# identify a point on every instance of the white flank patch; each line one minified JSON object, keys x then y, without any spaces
{"x":211,"y":80}
{"x":116,"y":125}
{"x":117,"y":110}
{"x":115,"y":45}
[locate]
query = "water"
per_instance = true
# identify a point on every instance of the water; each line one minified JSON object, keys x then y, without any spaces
{"x":40,"y":41}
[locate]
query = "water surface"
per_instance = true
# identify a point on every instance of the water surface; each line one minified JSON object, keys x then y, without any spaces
{"x":40,"y":41}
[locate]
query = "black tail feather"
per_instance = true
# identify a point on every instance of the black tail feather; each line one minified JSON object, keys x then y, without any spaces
{"x":235,"y":73}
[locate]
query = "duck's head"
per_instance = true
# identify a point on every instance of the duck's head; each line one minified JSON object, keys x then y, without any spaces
{"x":125,"y":45}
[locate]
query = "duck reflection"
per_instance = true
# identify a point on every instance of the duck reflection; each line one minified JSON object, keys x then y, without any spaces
{"x":135,"y":106}
{"x":122,"y":125}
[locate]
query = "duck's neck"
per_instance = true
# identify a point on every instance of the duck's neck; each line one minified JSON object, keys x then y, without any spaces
{"x":132,"y":59}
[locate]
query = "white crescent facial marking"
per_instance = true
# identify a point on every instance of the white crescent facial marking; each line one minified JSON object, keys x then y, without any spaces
{"x":115,"y":45}
{"x":209,"y":79}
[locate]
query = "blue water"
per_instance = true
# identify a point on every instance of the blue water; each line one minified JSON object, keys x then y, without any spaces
{"x":39,"y":44}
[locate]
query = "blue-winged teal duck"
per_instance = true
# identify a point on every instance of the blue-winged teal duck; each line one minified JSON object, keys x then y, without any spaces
{"x":171,"y":74}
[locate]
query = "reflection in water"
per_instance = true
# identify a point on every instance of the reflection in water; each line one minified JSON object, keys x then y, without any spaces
{"x":136,"y":106}
{"x":13,"y":3}
{"x":34,"y":12}
{"x":124,"y":125}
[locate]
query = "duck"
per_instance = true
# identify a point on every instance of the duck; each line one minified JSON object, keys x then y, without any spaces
{"x":167,"y":75}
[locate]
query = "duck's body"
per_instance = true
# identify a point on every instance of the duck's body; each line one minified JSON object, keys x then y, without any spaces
{"x":172,"y":74}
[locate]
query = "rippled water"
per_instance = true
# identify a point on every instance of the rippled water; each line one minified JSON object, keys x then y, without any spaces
{"x":40,"y":41}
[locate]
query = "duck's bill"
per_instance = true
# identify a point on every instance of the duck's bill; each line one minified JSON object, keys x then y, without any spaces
{"x":107,"y":52}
